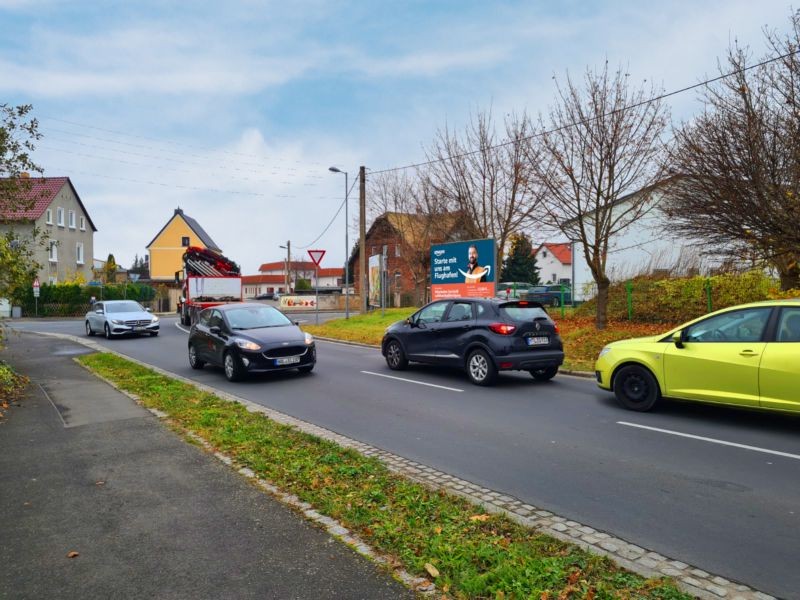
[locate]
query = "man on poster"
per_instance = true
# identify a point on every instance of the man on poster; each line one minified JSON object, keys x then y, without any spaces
{"x":475,"y":272}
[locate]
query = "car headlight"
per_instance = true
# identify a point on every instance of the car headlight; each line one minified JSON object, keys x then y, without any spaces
{"x":246,"y":344}
{"x":309,"y":339}
{"x":117,"y":322}
{"x":604,"y":351}
{"x":154,"y":319}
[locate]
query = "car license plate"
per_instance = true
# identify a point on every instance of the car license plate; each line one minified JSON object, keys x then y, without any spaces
{"x":137,"y":328}
{"x":289,"y":360}
{"x":539,"y":340}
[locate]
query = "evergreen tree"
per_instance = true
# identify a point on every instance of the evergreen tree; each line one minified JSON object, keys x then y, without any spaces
{"x":520,"y":264}
{"x":110,"y":270}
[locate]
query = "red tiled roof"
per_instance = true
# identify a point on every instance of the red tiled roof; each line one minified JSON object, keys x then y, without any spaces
{"x":280,"y":265}
{"x":251,"y":279}
{"x":333,"y":272}
{"x":562,"y":251}
{"x":41,"y":193}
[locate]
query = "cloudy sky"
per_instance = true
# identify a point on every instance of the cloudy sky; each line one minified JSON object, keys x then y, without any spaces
{"x":234,"y":111}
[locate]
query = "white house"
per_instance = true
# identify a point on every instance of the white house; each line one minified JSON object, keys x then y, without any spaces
{"x":645,"y":246}
{"x":554,"y":260}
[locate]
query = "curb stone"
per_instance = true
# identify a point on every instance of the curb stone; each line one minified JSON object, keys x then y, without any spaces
{"x":688,"y":578}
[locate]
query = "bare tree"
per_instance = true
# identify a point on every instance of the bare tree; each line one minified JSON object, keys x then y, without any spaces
{"x":485,"y":179}
{"x":418,"y":216}
{"x":740,"y":161}
{"x":602,"y":140}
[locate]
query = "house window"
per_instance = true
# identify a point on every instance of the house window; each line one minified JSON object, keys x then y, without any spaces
{"x":79,"y":252}
{"x":52,"y":252}
{"x":60,"y":216}
{"x":72,"y":219}
{"x":48,"y":216}
{"x":555,"y":278}
{"x":544,"y":253}
{"x":185,"y":241}
{"x":83,"y":223}
{"x":52,"y":279}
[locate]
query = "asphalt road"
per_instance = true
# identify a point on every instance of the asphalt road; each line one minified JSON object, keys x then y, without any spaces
{"x":714,"y":487}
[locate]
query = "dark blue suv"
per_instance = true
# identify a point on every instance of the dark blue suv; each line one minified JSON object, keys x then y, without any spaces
{"x":481,"y":335}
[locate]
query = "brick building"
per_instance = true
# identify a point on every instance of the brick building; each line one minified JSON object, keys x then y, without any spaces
{"x":408,"y":238}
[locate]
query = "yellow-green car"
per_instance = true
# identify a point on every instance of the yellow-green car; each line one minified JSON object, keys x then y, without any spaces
{"x":746,"y":355}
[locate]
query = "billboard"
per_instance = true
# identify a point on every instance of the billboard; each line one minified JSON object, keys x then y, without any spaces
{"x":374,"y":280}
{"x":463,"y":269}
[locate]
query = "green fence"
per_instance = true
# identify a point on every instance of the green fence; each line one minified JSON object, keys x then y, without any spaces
{"x":658,"y":300}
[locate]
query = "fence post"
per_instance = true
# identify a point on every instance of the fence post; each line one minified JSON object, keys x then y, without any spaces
{"x":629,"y":290}
{"x":708,"y":293}
{"x":562,"y":301}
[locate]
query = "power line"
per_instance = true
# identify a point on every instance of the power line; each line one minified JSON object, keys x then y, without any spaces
{"x":586,"y":121}
{"x":328,"y":226}
{"x":152,"y":139}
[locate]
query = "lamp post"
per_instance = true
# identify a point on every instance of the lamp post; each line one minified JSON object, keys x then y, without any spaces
{"x":346,"y":246}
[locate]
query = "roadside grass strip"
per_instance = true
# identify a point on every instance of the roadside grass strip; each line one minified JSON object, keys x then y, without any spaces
{"x":464,"y":551}
{"x":366,"y":329}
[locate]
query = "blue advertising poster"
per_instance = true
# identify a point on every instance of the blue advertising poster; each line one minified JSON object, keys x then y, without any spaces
{"x":463,"y":269}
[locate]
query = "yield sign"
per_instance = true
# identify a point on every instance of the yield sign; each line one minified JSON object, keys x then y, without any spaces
{"x":316,"y":256}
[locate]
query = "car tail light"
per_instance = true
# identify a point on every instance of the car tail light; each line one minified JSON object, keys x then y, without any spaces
{"x":555,"y":326}
{"x":503,"y":328}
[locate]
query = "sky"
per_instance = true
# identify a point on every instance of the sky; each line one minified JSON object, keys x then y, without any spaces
{"x":234,"y":111}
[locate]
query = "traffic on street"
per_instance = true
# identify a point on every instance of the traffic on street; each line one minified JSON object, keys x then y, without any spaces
{"x":714,"y":486}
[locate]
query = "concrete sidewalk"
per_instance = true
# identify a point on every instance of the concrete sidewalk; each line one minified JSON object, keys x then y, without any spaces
{"x":84,"y":469}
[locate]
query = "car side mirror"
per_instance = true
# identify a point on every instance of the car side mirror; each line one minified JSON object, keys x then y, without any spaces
{"x":677,"y":339}
{"x":410,"y":322}
{"x":215,"y":329}
{"x":296,"y":323}
{"x":148,"y":310}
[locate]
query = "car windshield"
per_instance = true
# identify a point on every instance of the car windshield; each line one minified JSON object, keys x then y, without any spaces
{"x":123,"y":307}
{"x":522,"y":312}
{"x":254,"y":317}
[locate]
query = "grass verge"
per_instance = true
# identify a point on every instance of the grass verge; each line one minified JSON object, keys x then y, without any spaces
{"x":476,"y":555}
{"x":582,"y":341}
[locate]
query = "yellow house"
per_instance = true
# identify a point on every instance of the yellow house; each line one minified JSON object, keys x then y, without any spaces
{"x":167,"y":248}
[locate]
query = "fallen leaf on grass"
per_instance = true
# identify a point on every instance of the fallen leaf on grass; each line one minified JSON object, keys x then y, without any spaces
{"x":72,"y":554}
{"x":99,"y":482}
{"x":479,"y":518}
{"x":433,"y":571}
{"x":438,"y":530}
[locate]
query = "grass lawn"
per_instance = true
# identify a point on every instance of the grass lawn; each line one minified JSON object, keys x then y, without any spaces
{"x":582,"y":342}
{"x":469,"y":554}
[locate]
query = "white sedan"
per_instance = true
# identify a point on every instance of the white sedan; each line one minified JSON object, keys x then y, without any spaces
{"x":117,"y":317}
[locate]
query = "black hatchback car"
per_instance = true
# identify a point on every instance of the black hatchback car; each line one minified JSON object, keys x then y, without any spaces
{"x":481,"y":335}
{"x":249,"y":337}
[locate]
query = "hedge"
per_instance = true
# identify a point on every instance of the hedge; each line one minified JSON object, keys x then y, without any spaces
{"x":72,"y":299}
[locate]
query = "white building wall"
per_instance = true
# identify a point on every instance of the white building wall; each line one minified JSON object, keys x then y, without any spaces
{"x":642,"y":247}
{"x":551,"y":270}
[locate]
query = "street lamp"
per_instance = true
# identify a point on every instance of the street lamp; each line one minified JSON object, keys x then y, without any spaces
{"x":346,"y":246}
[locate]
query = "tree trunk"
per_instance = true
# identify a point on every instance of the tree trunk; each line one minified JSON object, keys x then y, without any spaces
{"x":790,"y":279}
{"x":601,"y":317}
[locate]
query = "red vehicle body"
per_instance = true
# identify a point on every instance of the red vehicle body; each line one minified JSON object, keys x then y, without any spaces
{"x":209,"y":279}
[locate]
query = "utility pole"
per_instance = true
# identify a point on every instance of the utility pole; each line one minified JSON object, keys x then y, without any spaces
{"x":362,"y":236}
{"x":288,"y":264}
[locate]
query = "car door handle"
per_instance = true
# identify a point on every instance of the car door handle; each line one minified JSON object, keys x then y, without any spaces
{"x":748,"y":353}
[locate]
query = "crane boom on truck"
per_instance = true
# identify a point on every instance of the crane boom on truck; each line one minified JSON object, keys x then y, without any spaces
{"x":209,"y":279}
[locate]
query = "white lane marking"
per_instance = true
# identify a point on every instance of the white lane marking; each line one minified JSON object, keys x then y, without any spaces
{"x":178,"y":325}
{"x":441,"y":387}
{"x":712,"y":440}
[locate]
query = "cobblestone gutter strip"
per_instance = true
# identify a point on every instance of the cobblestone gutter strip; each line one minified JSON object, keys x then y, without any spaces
{"x":639,"y":560}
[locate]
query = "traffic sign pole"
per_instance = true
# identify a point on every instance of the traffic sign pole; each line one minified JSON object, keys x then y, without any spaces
{"x":36,"y":296}
{"x":316,"y":256}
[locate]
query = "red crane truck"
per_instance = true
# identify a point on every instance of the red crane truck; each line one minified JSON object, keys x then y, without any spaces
{"x":209,"y":279}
